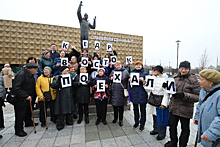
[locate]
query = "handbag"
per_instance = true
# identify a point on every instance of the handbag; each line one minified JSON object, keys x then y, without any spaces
{"x":47,"y":94}
{"x":125,"y":91}
{"x":162,"y":117}
{"x":155,"y":100}
{"x":11,"y":97}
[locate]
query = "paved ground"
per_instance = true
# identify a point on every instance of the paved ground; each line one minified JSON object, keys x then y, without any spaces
{"x":90,"y":135}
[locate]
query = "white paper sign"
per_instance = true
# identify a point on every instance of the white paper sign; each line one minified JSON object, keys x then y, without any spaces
{"x":100,"y":85}
{"x":85,"y":43}
{"x":109,"y":47}
{"x":128,"y":59}
{"x":149,"y":82}
{"x":64,"y":61}
{"x":105,"y":62}
{"x":83,"y":78}
{"x":117,"y":77}
{"x":97,"y":45}
{"x":113,"y":59}
{"x":84,"y":61}
{"x":171,"y":86}
{"x":96,"y":64}
{"x":65,"y":45}
{"x":134,"y":79}
{"x":66,"y":81}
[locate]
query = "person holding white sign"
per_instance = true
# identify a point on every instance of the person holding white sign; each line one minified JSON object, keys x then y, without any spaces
{"x":85,"y":54}
{"x":118,"y":99}
{"x":100,"y":84}
{"x":157,"y":79}
{"x":64,"y":104}
{"x":138,"y":95}
{"x":82,"y":93}
{"x":114,"y":52}
{"x":182,"y":103}
{"x":109,"y":67}
{"x":57,"y":63}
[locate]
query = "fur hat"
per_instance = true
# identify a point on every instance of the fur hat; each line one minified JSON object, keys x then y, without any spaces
{"x":62,"y":68}
{"x":31,"y":65}
{"x":210,"y":75}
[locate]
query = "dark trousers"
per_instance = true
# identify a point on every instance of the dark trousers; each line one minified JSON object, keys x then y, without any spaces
{"x":161,"y":130}
{"x":184,"y":136}
{"x":86,"y":109}
{"x":22,"y":114}
{"x":1,"y":115}
{"x":61,"y":117}
{"x":42,"y":110}
{"x":137,"y":115}
{"x":101,"y":109}
{"x":118,"y":110}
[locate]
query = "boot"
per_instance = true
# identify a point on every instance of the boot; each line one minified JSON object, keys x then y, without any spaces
{"x":60,"y":122}
{"x":87,"y":117}
{"x":80,"y":117}
{"x":69,"y":119}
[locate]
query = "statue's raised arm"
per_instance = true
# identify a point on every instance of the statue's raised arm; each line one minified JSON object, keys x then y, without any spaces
{"x":79,"y":12}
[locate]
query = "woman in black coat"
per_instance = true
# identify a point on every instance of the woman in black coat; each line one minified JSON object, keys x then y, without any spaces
{"x":82,"y":95}
{"x":118,"y":100}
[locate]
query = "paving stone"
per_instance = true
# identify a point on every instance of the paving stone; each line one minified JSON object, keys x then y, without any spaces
{"x":5,"y":138}
{"x":48,"y":142}
{"x":123,"y":141}
{"x":105,"y":134}
{"x":129,"y":130}
{"x":109,"y":142}
{"x":93,"y":144}
{"x":30,"y":143}
{"x":91,"y":128}
{"x":135,"y":139}
{"x":78,"y":130}
{"x":77,"y":139}
{"x":65,"y":132}
{"x":62,"y":141}
{"x":78,"y":145}
{"x":13,"y":144}
{"x":118,"y":132}
{"x":92,"y":136}
{"x":102,"y":127}
{"x":50,"y":134}
{"x":9,"y":130}
{"x":34,"y":136}
{"x":16,"y":138}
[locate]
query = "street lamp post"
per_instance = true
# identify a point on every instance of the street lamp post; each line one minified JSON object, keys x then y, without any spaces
{"x":177,"y":54}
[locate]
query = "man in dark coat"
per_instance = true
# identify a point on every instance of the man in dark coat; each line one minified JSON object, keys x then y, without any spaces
{"x":53,"y":53}
{"x":24,"y":89}
{"x":73,"y":53}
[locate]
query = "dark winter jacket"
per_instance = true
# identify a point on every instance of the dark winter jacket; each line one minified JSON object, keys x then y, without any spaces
{"x":23,"y":87}
{"x":64,"y":99}
{"x":138,"y":94}
{"x":82,"y":91}
{"x":73,"y":53}
{"x":54,"y":55}
{"x":118,"y":98}
{"x":188,"y":84}
{"x":100,"y":95}
{"x":43,"y":62}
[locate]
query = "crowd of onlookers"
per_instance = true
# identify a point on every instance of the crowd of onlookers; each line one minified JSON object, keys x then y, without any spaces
{"x":45,"y":80}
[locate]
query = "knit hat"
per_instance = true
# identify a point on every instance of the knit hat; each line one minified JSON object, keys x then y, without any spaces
{"x":47,"y":67}
{"x":101,"y":69}
{"x":31,"y":65}
{"x":62,"y":68}
{"x":159,"y":68}
{"x":211,"y":75}
{"x":185,"y":64}
{"x":139,"y":62}
{"x":45,"y":52}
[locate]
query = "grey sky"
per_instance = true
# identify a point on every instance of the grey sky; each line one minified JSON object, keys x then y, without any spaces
{"x":161,"y":22}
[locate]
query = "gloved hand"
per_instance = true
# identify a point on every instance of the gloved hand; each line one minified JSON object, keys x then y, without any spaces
{"x":178,"y":95}
{"x":164,"y":85}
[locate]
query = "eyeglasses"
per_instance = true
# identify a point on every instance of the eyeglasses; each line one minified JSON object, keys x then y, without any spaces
{"x":66,"y":70}
{"x":138,"y":65}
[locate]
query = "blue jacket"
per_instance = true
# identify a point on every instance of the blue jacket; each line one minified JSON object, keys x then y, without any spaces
{"x":138,"y":94}
{"x":56,"y":69}
{"x":208,"y":114}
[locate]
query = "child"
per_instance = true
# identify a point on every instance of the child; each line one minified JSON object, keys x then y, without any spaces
{"x":101,"y":98}
{"x":64,"y":104}
{"x":82,"y":95}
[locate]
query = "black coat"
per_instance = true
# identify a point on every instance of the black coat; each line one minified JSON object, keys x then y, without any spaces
{"x":82,"y":91}
{"x":64,"y":102}
{"x":73,"y":53}
{"x":89,"y":70}
{"x":24,"y":86}
{"x":118,"y":98}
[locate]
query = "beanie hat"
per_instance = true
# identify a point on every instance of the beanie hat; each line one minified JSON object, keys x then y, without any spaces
{"x":139,"y":62}
{"x":101,"y":69}
{"x":185,"y":64}
{"x":47,"y":67}
{"x":159,"y":68}
{"x":211,"y":75}
{"x":44,"y":53}
{"x":62,"y":68}
{"x":31,"y":65}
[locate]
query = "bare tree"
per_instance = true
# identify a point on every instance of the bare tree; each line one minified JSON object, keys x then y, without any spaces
{"x":204,"y":60}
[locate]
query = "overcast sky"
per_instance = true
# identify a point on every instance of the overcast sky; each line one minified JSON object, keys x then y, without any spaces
{"x":161,"y":22}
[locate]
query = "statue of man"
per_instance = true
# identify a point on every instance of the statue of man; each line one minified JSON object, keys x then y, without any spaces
{"x":84,"y":26}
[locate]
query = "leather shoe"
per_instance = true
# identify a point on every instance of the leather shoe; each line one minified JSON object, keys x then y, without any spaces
{"x":170,"y":144}
{"x":21,"y":133}
{"x":114,"y":121}
{"x":153,"y":133}
{"x":97,"y":122}
{"x":31,"y":125}
{"x":141,"y":128}
{"x":159,"y":137}
{"x":104,"y":122}
{"x":135,"y":125}
{"x":120,"y":123}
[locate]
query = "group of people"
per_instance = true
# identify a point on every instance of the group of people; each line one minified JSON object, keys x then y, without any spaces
{"x":44,"y":80}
